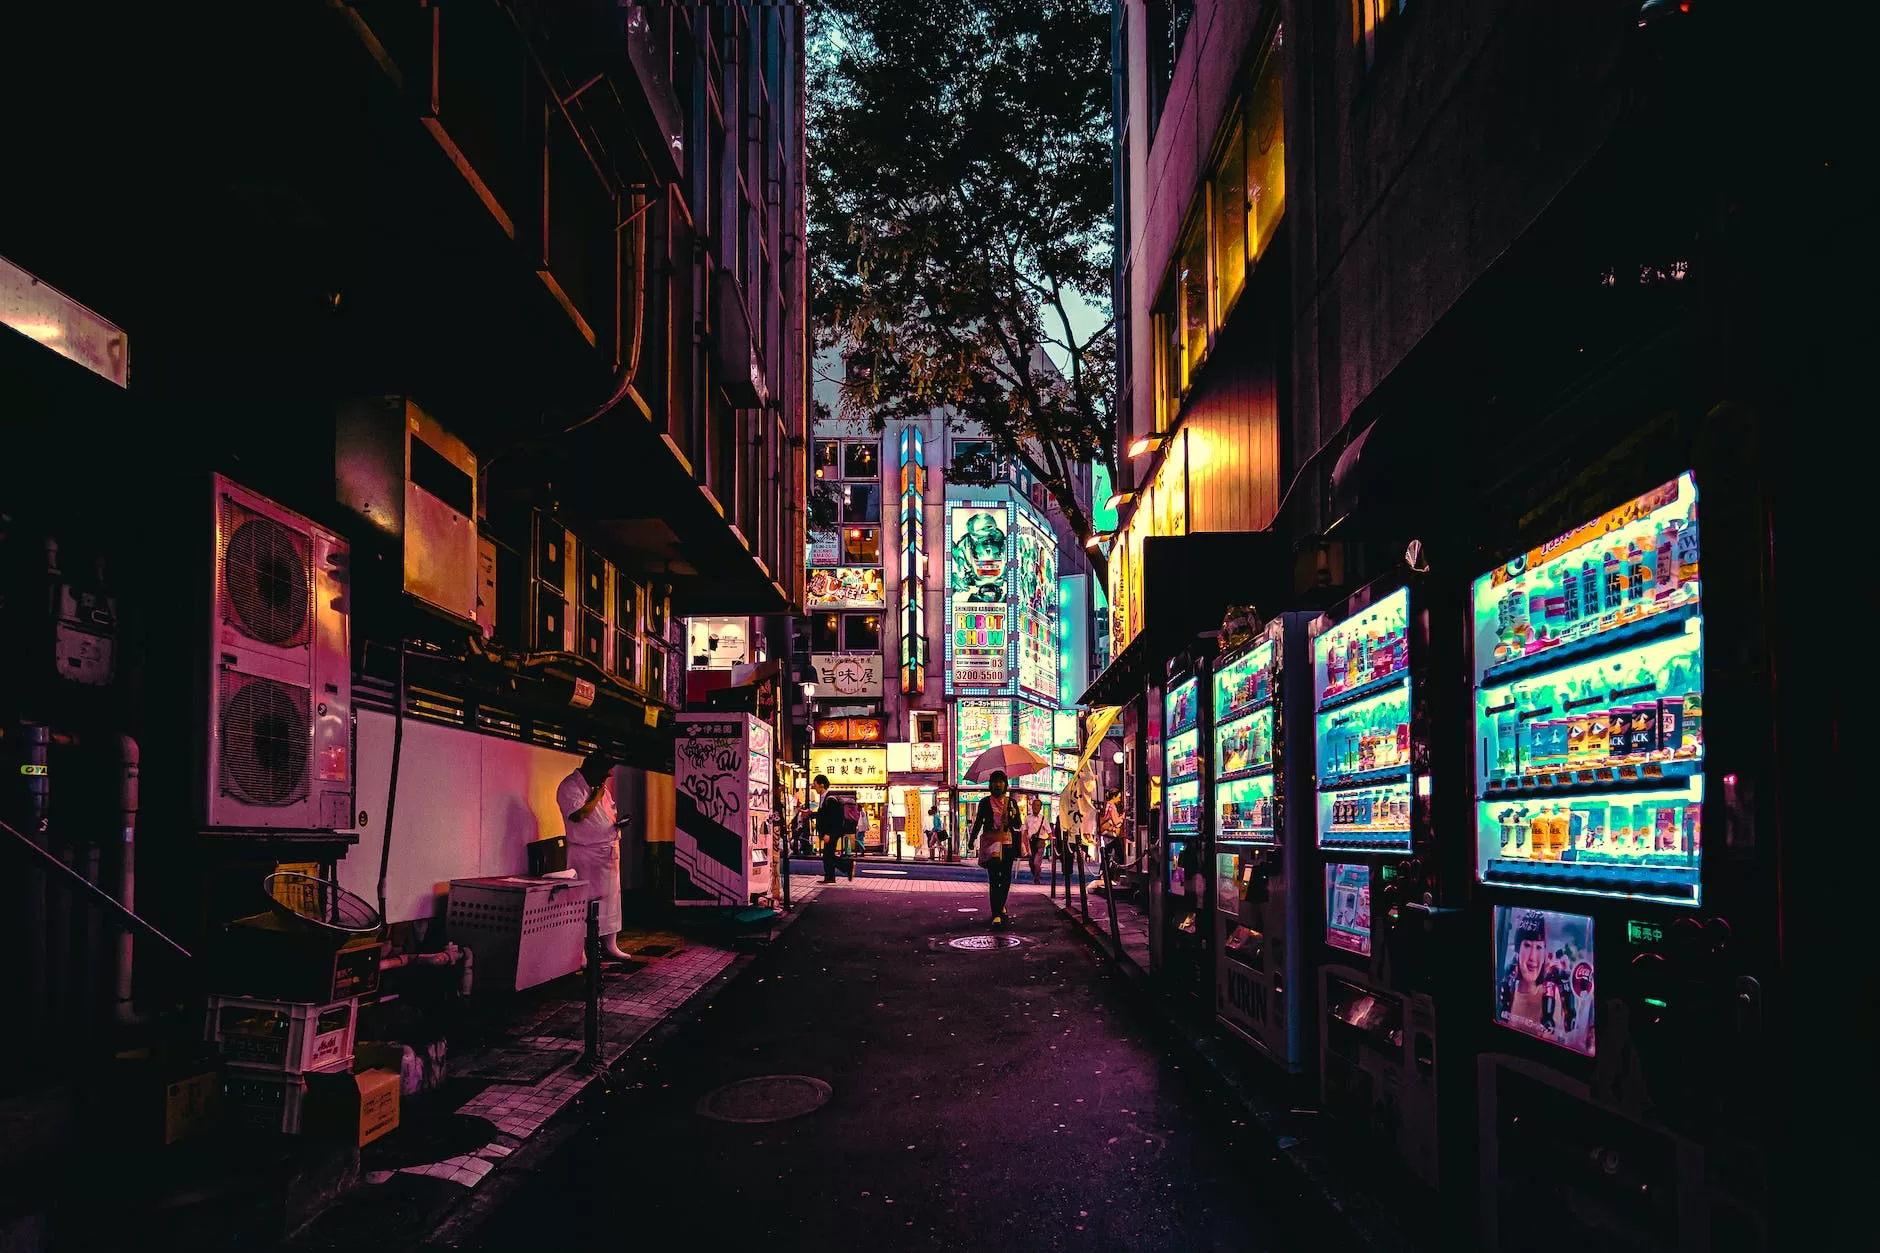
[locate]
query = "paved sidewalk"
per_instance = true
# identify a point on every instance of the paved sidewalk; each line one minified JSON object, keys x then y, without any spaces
{"x":488,"y":1122}
{"x":979,"y":1096}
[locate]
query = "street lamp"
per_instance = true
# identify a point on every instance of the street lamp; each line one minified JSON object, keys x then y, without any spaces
{"x":1148,"y":443}
{"x":1096,"y":539}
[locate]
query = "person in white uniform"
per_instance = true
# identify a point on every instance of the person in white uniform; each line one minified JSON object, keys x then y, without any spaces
{"x":586,"y":801}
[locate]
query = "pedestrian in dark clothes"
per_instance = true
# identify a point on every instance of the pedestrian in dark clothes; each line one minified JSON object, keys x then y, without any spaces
{"x":997,"y":826}
{"x":830,"y":828}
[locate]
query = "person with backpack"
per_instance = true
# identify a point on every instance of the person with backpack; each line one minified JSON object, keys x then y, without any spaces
{"x":996,"y":826}
{"x":831,"y":824}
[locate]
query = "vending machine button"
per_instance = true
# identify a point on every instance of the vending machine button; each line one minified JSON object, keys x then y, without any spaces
{"x":1717,"y":932}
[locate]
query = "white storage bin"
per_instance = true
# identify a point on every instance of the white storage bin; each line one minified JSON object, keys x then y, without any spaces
{"x":524,"y":931}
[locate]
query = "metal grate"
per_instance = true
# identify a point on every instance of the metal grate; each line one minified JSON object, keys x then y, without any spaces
{"x":267,"y":583}
{"x":266,"y":734}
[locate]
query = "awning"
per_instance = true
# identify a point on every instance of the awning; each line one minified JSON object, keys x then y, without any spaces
{"x":1084,"y":778}
{"x":1188,"y":583}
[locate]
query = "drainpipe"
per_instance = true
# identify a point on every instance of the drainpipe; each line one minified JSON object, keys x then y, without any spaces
{"x":125,"y":1007}
{"x":36,"y":745}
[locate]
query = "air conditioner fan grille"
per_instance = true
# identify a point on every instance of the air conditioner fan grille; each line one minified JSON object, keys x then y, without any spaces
{"x":266,"y":735}
{"x":267,"y":579}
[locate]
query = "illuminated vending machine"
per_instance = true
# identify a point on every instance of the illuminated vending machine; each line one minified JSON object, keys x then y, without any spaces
{"x":1263,"y":888}
{"x":1184,"y":841}
{"x":1613,"y":1017}
{"x":1381,"y":950}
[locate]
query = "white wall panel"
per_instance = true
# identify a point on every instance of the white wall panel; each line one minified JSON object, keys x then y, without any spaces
{"x":467,"y":804}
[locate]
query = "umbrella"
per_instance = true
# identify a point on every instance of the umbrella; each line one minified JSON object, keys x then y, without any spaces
{"x":1014,"y":759}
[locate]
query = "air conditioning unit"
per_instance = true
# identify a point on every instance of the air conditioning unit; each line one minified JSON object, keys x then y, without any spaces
{"x":280,"y":698}
{"x":399,"y":469}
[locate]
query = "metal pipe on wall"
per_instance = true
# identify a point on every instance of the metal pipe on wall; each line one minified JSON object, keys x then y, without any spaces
{"x":124,"y":1008}
{"x":36,"y":742}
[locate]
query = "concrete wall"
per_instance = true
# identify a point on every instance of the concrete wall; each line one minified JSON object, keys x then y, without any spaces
{"x":467,"y":805}
{"x":1166,"y":169}
{"x":1408,"y":179}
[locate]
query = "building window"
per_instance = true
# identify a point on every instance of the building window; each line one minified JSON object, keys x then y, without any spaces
{"x":861,"y":546}
{"x":1266,"y":151}
{"x":861,"y":460}
{"x":1194,"y":297}
{"x":1230,"y":220}
{"x":1167,"y":329}
{"x":828,"y":459}
{"x":862,"y":632}
{"x":824,"y":631}
{"x":861,"y":502}
{"x":973,"y":461}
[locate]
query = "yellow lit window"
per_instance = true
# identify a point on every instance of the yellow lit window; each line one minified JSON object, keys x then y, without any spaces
{"x":1266,"y":154}
{"x":1230,"y":221}
{"x":1194,"y":300}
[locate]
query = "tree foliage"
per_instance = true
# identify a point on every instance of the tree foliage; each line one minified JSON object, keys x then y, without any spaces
{"x":960,"y":216}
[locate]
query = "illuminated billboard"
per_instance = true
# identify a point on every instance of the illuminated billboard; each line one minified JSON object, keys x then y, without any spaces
{"x":977,"y":726}
{"x":979,"y":595}
{"x":1035,"y":606}
{"x":846,"y":588}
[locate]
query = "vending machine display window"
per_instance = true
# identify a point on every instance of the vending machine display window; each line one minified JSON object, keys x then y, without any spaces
{"x":1243,"y":809}
{"x":1184,"y":806}
{"x":1361,"y":682}
{"x":1244,"y":684}
{"x":1348,"y":907}
{"x":1244,"y":745}
{"x":1363,"y":654}
{"x":1544,"y":975}
{"x":1589,"y":705}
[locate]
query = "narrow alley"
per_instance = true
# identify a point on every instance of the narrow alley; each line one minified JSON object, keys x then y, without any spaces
{"x":978,"y":1097}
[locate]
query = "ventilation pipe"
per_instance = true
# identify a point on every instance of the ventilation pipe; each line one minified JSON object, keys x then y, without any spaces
{"x":126,"y":1009}
{"x":391,"y":788}
{"x":35,"y":755}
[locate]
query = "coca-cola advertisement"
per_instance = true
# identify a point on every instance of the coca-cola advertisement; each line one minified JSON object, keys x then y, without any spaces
{"x":1544,"y":972}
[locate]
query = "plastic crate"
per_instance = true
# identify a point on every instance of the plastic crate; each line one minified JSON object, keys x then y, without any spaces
{"x":523,"y":931}
{"x":264,"y":1102}
{"x":282,"y":1037}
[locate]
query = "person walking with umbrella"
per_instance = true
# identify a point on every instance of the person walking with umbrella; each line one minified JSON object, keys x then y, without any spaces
{"x":995,"y":825}
{"x":999,"y":821}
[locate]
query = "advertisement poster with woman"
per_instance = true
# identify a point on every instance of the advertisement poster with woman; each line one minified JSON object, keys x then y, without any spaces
{"x":1544,"y":975}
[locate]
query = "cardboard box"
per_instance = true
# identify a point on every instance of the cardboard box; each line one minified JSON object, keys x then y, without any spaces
{"x":189,"y":1103}
{"x":358,"y":1103}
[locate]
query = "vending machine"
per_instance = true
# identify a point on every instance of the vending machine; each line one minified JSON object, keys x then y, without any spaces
{"x":1391,"y":916}
{"x":1184,"y":841}
{"x":1264,"y":893}
{"x":1617,"y":1014}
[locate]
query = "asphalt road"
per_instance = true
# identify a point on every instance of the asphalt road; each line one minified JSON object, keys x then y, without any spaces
{"x":992,"y":1100}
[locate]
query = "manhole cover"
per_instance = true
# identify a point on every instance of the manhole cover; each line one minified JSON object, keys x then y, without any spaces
{"x":986,"y":943}
{"x":767,"y":1098}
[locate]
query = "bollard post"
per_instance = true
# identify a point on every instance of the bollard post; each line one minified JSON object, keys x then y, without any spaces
{"x":591,"y":1057}
{"x":1083,"y":895}
{"x":786,"y":870}
{"x":1057,"y":851}
{"x":1109,"y":895}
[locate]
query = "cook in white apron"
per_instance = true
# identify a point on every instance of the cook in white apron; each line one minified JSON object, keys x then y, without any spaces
{"x":586,"y":801}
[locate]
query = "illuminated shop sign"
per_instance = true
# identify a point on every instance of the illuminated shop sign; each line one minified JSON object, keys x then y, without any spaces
{"x":913,"y":561}
{"x":1035,"y":605}
{"x":979,"y":595}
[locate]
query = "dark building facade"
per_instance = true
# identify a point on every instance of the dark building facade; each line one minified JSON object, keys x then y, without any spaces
{"x":491,"y":316}
{"x":1470,"y":276}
